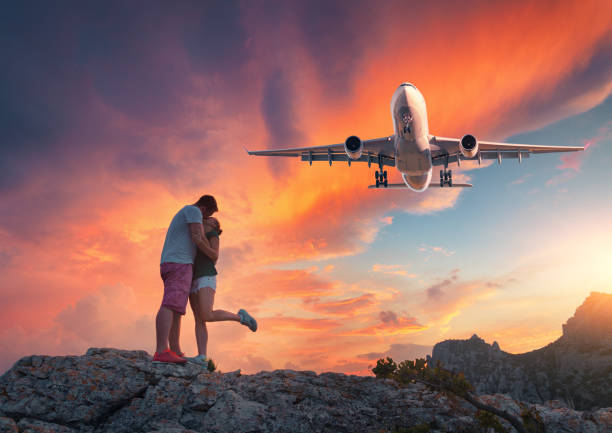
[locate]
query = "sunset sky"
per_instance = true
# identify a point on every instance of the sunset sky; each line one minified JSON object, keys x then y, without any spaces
{"x":114,"y":115}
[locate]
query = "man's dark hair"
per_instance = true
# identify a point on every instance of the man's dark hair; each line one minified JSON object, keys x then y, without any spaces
{"x":209,"y":202}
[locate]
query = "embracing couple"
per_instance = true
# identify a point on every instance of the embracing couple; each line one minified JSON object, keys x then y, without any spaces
{"x":188,"y":270}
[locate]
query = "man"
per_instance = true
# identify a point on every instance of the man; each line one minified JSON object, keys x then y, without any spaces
{"x":185,"y":235}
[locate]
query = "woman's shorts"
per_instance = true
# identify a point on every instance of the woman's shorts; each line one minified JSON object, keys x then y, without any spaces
{"x":207,"y":281}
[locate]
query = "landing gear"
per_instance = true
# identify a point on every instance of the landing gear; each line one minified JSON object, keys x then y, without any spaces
{"x":381,"y":179}
{"x":446,"y":178}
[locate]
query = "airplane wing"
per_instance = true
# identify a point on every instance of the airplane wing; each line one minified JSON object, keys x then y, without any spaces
{"x":431,"y":185}
{"x":446,"y":150}
{"x":374,"y":151}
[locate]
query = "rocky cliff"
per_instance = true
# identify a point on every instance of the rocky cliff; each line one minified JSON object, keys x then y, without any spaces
{"x":109,"y":390}
{"x":576,"y":369}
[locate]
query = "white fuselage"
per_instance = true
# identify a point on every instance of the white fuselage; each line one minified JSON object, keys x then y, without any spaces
{"x":412,"y":152}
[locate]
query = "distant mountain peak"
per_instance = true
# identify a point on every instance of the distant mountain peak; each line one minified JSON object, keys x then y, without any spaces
{"x":576,"y":369}
{"x":592,"y":321}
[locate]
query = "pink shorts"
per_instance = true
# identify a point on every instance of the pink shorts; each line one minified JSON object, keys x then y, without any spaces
{"x":177,"y":283}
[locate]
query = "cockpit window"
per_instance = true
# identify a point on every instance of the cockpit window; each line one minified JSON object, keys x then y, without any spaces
{"x":405,"y":115}
{"x":408,"y":85}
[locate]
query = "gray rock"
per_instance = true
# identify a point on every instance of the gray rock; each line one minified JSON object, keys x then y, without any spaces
{"x":27,"y":425}
{"x":8,"y":425}
{"x":109,"y":390}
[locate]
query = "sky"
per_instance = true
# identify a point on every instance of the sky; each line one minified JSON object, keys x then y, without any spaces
{"x":115,"y":115}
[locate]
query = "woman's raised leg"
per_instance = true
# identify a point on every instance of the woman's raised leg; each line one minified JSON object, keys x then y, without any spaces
{"x":207,"y":299}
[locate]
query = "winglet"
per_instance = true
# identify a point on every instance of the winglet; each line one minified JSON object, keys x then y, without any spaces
{"x":246,"y":150}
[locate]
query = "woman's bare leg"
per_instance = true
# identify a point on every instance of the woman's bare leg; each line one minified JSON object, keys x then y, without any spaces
{"x":201,"y":303}
{"x":206,"y":297}
{"x":201,"y":332}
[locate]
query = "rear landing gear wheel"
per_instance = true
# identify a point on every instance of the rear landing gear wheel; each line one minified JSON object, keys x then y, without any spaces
{"x":381,"y":178}
{"x":446,"y":178}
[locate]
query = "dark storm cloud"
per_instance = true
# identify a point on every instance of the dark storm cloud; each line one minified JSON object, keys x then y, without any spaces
{"x":63,"y":66}
{"x":39,"y":87}
{"x":277,"y":107}
{"x":216,"y":39}
{"x":336,"y":33}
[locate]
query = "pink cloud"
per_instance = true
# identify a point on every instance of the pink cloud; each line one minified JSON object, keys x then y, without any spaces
{"x":390,"y":324}
{"x":571,"y":163}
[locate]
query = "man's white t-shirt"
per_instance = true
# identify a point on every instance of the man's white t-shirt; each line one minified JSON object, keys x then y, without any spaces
{"x":178,"y":246}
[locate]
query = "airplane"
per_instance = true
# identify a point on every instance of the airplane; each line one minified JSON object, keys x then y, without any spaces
{"x":412,"y":150}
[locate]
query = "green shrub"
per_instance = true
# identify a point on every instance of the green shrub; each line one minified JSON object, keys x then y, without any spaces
{"x":532,"y":420}
{"x":489,"y":421}
{"x":384,"y":369}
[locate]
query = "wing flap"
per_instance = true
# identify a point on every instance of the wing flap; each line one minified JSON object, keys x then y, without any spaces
{"x":370,"y":158}
{"x":443,"y":159}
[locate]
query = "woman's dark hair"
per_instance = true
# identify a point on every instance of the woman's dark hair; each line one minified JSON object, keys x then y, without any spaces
{"x":209,"y":202}
{"x":217,"y":225}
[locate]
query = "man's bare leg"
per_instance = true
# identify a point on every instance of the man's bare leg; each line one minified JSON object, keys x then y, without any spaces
{"x":163,"y":323}
{"x":175,"y":333}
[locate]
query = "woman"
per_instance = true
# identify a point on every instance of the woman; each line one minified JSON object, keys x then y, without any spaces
{"x":202,"y":295}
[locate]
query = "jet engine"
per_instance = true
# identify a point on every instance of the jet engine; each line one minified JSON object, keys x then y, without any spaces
{"x":353,"y":146}
{"x":468,"y":145}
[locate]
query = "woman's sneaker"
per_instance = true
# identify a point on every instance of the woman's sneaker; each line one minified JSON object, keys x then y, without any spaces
{"x":247,"y":320}
{"x":168,"y":356}
{"x":199,"y":360}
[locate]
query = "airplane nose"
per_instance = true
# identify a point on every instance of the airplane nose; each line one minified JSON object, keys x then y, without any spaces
{"x":419,"y":182}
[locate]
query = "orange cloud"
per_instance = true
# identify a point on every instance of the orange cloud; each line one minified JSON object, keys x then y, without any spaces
{"x":259,"y":287}
{"x":391,"y":270}
{"x":294,"y":324}
{"x":345,"y":307}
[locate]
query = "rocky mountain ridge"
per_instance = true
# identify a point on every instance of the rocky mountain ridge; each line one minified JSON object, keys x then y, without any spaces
{"x":576,"y":369}
{"x":110,"y":390}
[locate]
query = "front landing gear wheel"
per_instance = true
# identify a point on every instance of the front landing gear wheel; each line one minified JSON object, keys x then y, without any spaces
{"x":385,"y":183}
